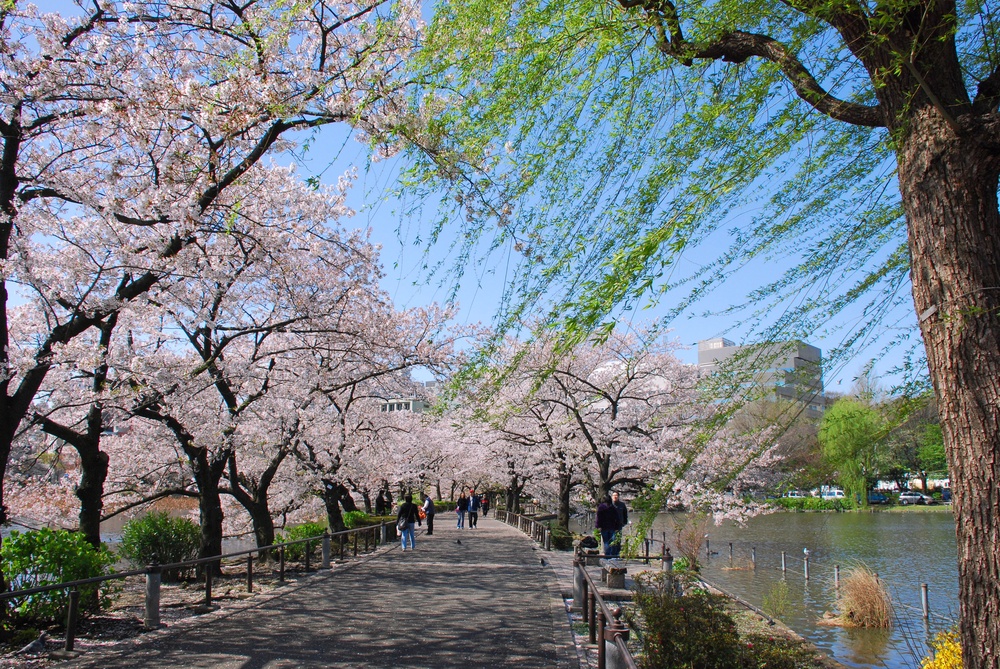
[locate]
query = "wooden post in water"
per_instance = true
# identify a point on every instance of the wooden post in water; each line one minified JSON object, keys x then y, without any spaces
{"x":753,"y":556}
{"x":782,"y":562}
{"x":805,"y":562}
{"x":730,"y":551}
{"x":924,"y":602}
{"x":836,"y":575}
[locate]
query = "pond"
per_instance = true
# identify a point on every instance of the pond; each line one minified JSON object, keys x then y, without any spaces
{"x":906,"y":548}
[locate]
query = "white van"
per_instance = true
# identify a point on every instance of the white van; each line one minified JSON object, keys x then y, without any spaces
{"x":832,"y":493}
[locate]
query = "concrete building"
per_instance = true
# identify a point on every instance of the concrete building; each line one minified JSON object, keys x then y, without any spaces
{"x":417,"y":402}
{"x":791,"y":370}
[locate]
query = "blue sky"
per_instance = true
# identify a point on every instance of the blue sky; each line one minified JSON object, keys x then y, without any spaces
{"x":335,"y":151}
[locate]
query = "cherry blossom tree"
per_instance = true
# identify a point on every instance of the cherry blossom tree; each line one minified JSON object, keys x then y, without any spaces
{"x":123,"y":144}
{"x":355,"y":377}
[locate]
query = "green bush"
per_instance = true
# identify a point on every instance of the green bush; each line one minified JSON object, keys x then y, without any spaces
{"x":562,"y":540}
{"x":44,"y":557}
{"x":691,"y":631}
{"x":759,"y":651}
{"x":159,"y":538}
{"x":353,"y":519}
{"x":296,"y":532}
{"x":814,"y":504}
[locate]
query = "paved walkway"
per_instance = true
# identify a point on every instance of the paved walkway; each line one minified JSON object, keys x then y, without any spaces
{"x":472,"y":598}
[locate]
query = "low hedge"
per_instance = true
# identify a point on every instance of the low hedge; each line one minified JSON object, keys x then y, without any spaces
{"x":814,"y":504}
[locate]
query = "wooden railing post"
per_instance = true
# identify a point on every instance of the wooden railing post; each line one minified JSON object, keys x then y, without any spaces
{"x":281,"y":565}
{"x":72,"y":612}
{"x":308,"y":551}
{"x":151,"y":619}
{"x":208,"y":584}
{"x":249,"y":572}
{"x":326,"y":549}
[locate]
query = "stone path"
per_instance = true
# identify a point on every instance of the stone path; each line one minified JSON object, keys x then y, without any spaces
{"x":472,"y":598}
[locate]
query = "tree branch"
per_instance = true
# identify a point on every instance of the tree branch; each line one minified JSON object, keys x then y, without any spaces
{"x":988,"y":94}
{"x":738,"y":47}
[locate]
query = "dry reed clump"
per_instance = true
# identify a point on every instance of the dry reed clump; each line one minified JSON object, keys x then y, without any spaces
{"x":740,"y":564}
{"x":689,"y":536}
{"x":864,"y":600}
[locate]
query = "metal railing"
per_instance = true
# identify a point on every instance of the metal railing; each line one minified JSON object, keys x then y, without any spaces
{"x":540,"y":532}
{"x":603,"y":622}
{"x":348,"y":541}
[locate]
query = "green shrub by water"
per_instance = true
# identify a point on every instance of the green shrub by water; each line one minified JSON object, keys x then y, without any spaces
{"x":44,"y":557}
{"x":296,"y":532}
{"x":353,"y":519}
{"x":814,"y":504}
{"x":159,"y":538}
{"x":688,"y":631}
{"x":696,"y":631}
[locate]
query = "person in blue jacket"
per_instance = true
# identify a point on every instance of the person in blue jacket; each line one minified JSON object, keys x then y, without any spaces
{"x":475,"y":503}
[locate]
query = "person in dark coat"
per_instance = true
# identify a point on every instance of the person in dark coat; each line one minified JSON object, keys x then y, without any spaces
{"x":429,"y":513}
{"x":616,"y":545}
{"x":408,"y":511}
{"x":475,"y":504}
{"x":608,"y":522}
{"x":462,"y":508}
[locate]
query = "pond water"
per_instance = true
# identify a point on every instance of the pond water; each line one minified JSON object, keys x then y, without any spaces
{"x":906,"y":548}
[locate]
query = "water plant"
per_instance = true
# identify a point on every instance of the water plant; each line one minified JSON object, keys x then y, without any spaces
{"x":864,"y":600}
{"x":776,"y":601}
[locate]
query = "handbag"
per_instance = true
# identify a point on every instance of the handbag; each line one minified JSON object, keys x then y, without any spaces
{"x":401,"y":524}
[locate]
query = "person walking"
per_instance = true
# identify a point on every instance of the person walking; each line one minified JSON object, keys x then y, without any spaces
{"x":461,"y":508}
{"x":429,"y":512}
{"x":608,"y":523}
{"x":406,"y":518}
{"x":475,"y":504}
{"x":486,"y":505}
{"x":616,"y":545}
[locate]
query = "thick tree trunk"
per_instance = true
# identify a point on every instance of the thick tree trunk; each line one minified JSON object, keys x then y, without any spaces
{"x":367,"y":497}
{"x":207,"y":475}
{"x":565,"y":490}
{"x":331,"y":498}
{"x":90,"y":492}
{"x":263,"y":524}
{"x":347,"y":500}
{"x":949,"y":189}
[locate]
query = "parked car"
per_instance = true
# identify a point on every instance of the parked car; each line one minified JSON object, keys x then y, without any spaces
{"x":795,"y":494}
{"x":877,"y":498}
{"x":832,"y":493}
{"x":914,"y":497}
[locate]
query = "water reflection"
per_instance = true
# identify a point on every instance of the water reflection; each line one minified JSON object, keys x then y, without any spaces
{"x":906,"y":549}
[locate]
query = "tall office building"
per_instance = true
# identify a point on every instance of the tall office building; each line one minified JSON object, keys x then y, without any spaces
{"x":791,"y":370}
